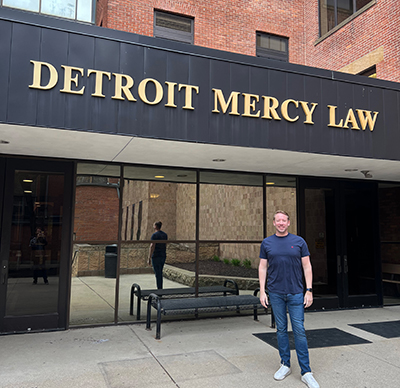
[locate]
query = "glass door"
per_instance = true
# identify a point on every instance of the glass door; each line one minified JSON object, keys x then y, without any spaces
{"x":340,"y":224}
{"x":35,"y":245}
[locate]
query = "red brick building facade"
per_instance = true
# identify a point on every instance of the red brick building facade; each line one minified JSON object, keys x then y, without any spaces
{"x":365,"y":39}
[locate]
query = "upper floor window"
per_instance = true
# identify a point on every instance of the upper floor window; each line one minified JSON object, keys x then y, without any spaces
{"x":272,"y":47}
{"x":173,"y":27}
{"x":82,"y":10}
{"x":334,"y":12}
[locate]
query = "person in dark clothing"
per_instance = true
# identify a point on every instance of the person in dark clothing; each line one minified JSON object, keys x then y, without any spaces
{"x":285,"y":257}
{"x":38,"y":243}
{"x":158,"y":253}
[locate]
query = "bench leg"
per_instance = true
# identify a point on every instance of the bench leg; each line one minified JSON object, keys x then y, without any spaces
{"x":148,"y":318}
{"x":131,"y":301}
{"x":139,"y":302}
{"x":158,"y":331}
{"x":139,"y":297}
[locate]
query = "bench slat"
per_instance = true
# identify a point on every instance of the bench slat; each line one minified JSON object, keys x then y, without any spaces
{"x":207,"y":302}
{"x":188,"y":305}
{"x":180,"y":292}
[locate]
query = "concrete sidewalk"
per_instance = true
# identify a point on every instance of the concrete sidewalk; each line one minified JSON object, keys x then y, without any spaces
{"x":214,"y":352}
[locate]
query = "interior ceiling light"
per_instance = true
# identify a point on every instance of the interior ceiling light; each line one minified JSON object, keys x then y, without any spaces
{"x":154,"y":195}
{"x":159,"y":176}
{"x":270,"y":183}
{"x":219,"y":160}
{"x":28,"y":191}
{"x":27,"y":180}
{"x":366,"y":173}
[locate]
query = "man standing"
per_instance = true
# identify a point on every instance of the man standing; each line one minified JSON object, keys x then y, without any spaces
{"x":286,"y":257}
{"x":158,"y":253}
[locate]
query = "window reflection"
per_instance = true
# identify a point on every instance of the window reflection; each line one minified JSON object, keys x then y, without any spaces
{"x":231,"y":209}
{"x":36,"y":227}
{"x":95,"y":253}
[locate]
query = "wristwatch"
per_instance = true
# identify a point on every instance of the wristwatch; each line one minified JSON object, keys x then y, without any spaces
{"x":309,"y":289}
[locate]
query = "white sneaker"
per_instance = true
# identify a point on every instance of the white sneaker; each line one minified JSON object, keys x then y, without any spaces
{"x":282,"y":372}
{"x":308,"y":379}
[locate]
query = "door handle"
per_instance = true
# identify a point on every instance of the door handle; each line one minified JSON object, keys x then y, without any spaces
{"x":339,"y":264}
{"x":4,"y":267}
{"x":346,"y":267}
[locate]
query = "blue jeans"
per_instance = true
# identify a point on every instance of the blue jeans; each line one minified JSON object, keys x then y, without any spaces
{"x":294,"y":304}
{"x":158,"y":266}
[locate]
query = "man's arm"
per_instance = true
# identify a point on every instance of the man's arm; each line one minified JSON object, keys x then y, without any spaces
{"x":262,"y":277}
{"x":307,"y":269}
{"x":151,"y":250}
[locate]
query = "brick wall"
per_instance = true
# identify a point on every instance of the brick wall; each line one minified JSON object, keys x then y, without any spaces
{"x":219,"y":24}
{"x":232,"y":25}
{"x":374,"y":28}
{"x":96,"y":213}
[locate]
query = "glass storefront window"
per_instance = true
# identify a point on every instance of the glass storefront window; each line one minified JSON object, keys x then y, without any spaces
{"x":35,"y":243}
{"x":389,"y":214}
{"x":231,"y":206}
{"x":94,"y":261}
{"x":281,"y":195}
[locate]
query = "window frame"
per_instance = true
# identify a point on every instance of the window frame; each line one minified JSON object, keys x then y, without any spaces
{"x":344,"y":22}
{"x":170,"y":33}
{"x":263,"y":52}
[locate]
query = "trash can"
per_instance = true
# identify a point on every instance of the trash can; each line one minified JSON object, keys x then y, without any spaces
{"x":110,"y":264}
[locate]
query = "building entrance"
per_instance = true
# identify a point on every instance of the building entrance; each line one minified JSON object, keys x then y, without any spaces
{"x":35,"y":244}
{"x":339,"y":220}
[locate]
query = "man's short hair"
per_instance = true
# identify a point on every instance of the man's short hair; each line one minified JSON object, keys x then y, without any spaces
{"x":282,"y":212}
{"x":158,"y":224}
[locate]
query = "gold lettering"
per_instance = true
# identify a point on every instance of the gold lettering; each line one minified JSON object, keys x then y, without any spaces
{"x":250,"y":102}
{"x":219,"y":98}
{"x":332,"y":117}
{"x":119,"y":88}
{"x":270,"y":109}
{"x":284,"y":110}
{"x":142,"y":91}
{"x":308,"y":112}
{"x":188,"y":95}
{"x":171,"y":94}
{"x":365,"y":118}
{"x":37,"y":75}
{"x":68,"y":79}
{"x":98,"y":91}
{"x":351,"y":118}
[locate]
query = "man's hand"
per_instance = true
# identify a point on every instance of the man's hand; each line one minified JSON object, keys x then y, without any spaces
{"x":149,"y":261}
{"x":264,"y":299}
{"x":308,"y":299}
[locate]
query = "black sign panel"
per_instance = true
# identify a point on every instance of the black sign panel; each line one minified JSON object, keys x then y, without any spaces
{"x":68,"y":76}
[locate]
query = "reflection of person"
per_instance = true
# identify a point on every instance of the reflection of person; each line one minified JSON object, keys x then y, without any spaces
{"x":38,"y":243}
{"x":158,"y":253}
{"x":286,"y":257}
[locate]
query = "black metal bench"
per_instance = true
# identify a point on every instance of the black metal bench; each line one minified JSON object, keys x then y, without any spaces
{"x":182,"y":292}
{"x":199,"y":304}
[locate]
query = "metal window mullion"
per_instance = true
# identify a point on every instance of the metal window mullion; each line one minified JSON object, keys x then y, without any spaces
{"x":335,"y":10}
{"x":197,"y":234}
{"x":119,"y":243}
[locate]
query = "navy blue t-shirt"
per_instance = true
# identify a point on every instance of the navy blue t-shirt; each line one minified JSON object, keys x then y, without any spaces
{"x":161,"y":248}
{"x":285,"y":271}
